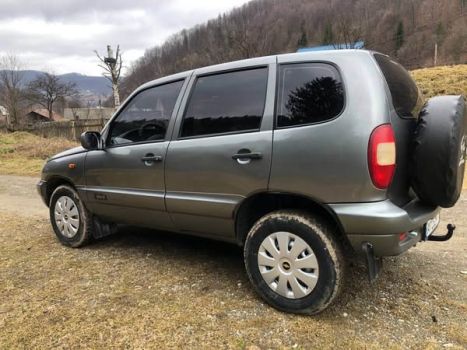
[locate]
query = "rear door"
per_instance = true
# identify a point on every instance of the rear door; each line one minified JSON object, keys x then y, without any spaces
{"x":125,"y":181}
{"x":221,"y":149}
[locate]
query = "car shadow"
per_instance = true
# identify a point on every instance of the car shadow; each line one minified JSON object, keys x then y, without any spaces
{"x":222,"y":264}
{"x":148,"y":240}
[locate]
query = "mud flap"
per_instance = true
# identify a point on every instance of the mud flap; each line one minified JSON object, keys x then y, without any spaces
{"x":374,"y":264}
{"x":102,"y":229}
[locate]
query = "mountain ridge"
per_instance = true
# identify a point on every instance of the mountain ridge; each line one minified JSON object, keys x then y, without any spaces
{"x":86,"y":84}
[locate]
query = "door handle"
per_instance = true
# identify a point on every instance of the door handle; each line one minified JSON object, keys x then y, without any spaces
{"x":150,"y":158}
{"x":245,"y":156}
{"x":249,"y":155}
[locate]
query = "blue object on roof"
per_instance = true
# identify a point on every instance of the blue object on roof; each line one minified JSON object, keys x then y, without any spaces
{"x":355,"y":45}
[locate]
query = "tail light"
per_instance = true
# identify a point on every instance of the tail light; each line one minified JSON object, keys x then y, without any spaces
{"x":382,"y":156}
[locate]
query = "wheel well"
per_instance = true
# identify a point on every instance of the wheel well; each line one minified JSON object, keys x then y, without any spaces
{"x":53,"y":183}
{"x":255,"y":207}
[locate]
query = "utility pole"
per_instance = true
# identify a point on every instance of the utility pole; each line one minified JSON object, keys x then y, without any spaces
{"x":112,"y":66}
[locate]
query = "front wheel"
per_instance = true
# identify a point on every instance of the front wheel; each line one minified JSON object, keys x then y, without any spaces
{"x":71,"y":221}
{"x":294,"y":262}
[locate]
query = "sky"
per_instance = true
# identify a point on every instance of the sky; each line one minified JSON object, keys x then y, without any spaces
{"x":60,"y":36}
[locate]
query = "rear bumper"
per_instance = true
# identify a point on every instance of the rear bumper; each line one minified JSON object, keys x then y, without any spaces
{"x":380,"y":224}
{"x":385,"y":245}
{"x":41,"y":187}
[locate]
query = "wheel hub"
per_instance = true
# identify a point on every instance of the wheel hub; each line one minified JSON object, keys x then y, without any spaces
{"x":66,"y":216}
{"x":288,"y":265}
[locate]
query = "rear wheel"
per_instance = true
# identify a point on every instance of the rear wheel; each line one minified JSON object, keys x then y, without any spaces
{"x":294,"y":262}
{"x":71,"y":221}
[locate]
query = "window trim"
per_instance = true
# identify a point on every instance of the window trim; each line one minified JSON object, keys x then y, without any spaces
{"x":276,"y":100}
{"x":190,"y":95}
{"x":123,"y":108}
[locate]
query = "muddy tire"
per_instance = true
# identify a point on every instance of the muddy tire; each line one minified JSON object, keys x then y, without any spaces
{"x":439,"y":151}
{"x":70,"y":220}
{"x":294,"y":262}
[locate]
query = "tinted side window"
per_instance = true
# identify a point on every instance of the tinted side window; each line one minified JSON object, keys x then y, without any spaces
{"x":308,"y":93}
{"x":405,"y":95}
{"x":226,"y":102}
{"x":146,"y":116}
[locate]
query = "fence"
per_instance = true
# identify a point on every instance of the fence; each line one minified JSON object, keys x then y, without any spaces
{"x":67,"y":129}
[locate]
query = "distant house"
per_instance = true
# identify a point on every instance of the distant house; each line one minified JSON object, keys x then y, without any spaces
{"x":88,"y":113}
{"x":40,"y":115}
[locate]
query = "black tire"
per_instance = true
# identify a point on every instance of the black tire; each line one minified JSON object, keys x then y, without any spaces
{"x":438,"y":154}
{"x":325,"y":246}
{"x":85,"y":229}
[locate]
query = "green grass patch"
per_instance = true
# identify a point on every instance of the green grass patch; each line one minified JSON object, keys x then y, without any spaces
{"x":442,"y":80}
{"x":22,"y":153}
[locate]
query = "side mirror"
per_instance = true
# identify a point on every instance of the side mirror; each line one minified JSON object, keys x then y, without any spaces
{"x":90,"y":140}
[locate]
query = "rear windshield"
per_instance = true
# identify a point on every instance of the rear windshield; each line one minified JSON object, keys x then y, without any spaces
{"x":406,"y":97}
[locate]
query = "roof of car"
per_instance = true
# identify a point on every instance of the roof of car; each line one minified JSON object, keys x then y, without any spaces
{"x":298,"y":56}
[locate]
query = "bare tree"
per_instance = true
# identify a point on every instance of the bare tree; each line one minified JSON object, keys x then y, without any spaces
{"x":46,"y":89}
{"x":347,"y":33}
{"x":11,"y":93}
{"x":75,"y":105}
{"x":112,"y":66}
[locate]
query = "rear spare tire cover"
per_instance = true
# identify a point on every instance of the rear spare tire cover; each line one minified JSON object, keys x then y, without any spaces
{"x":439,"y":151}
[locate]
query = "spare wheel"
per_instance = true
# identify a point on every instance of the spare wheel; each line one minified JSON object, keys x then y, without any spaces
{"x":439,"y":151}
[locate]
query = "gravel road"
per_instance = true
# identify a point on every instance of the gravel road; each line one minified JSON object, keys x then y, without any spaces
{"x":146,"y":289}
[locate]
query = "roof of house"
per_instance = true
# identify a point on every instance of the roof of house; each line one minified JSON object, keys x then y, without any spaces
{"x":45,"y":113}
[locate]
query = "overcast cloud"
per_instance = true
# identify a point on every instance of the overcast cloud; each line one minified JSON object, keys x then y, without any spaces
{"x":60,"y":35}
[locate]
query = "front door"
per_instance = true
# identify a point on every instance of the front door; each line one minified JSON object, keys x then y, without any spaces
{"x":221,"y":149}
{"x":125,"y":181}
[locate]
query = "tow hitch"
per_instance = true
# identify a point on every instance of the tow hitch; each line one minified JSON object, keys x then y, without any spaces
{"x":442,"y":238}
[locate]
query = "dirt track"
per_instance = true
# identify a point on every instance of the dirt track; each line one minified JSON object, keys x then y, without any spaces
{"x":148,"y":289}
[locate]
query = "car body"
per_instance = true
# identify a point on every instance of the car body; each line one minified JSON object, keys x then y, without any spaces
{"x":217,"y":180}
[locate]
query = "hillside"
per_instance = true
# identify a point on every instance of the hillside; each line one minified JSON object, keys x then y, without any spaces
{"x":405,"y":29}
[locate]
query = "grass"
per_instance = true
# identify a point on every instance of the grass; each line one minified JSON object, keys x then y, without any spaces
{"x":22,"y":153}
{"x":442,"y":80}
{"x":144,"y":289}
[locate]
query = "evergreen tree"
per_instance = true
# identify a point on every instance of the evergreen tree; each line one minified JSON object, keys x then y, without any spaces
{"x":303,"y":41}
{"x":328,"y":35}
{"x":439,"y":33}
{"x":399,"y":35}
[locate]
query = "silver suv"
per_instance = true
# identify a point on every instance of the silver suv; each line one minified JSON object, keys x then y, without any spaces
{"x":299,"y":158}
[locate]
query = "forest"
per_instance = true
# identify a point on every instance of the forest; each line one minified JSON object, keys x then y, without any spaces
{"x":406,"y":29}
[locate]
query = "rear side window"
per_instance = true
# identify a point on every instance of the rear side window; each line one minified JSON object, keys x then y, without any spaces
{"x":308,"y":93}
{"x":405,"y":95}
{"x":225,"y":103}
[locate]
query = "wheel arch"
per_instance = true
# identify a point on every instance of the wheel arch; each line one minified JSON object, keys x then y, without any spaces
{"x":53,"y":182}
{"x":257,"y":205}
